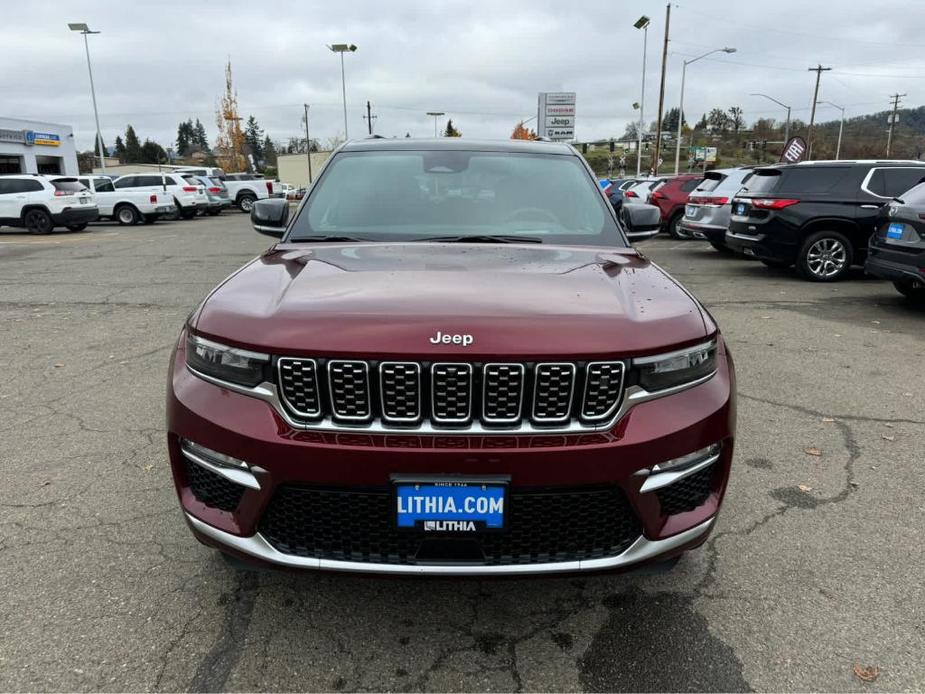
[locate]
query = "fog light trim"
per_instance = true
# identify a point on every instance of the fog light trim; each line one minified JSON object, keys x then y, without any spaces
{"x":676,"y":469}
{"x":230,"y":468}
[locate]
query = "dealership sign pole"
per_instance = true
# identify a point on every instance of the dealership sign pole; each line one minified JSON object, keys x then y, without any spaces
{"x":555,"y":116}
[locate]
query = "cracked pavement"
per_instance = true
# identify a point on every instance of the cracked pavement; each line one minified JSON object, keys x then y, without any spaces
{"x":815,"y":565}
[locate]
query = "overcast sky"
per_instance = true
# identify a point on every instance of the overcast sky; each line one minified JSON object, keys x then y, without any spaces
{"x":481,"y":62}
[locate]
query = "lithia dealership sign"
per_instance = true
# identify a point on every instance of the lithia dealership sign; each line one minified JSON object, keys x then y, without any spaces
{"x":555,"y":116}
{"x":30,"y":138}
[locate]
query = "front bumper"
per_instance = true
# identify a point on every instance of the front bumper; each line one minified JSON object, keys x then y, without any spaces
{"x":281,"y":457}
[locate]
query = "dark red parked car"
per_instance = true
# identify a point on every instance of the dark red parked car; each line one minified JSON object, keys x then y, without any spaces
{"x":671,"y":197}
{"x":453,"y":362}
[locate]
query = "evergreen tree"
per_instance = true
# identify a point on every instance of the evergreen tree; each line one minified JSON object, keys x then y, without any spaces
{"x":200,"y":139}
{"x":132,"y":146}
{"x":185,"y":137}
{"x":269,"y":152}
{"x":253,"y":138}
{"x":450,"y":130}
{"x":670,"y":122}
{"x":120,"y":149}
{"x":152,"y":153}
{"x":96,"y":147}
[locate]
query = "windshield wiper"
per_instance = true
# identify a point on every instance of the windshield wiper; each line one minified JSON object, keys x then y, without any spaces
{"x":484,"y":238}
{"x":330,"y":239}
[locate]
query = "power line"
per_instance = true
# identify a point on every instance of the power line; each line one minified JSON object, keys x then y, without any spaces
{"x":812,"y":117}
{"x":889,"y":138}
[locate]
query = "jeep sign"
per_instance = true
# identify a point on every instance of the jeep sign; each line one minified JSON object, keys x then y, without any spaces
{"x":555,"y":116}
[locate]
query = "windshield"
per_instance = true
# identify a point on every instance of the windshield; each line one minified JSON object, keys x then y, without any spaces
{"x":418,"y":195}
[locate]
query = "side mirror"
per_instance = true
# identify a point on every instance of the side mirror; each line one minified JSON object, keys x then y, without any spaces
{"x":270,"y":216}
{"x":642,"y":221}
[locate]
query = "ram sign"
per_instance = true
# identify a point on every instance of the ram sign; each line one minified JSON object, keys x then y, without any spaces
{"x":555,"y":116}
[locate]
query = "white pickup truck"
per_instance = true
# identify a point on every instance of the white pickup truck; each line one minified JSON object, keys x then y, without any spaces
{"x":244,"y":189}
{"x":128,"y":206}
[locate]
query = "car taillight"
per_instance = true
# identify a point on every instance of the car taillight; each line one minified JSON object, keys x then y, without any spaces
{"x":656,"y":195}
{"x":269,"y":187}
{"x":153,"y":199}
{"x":61,"y":193}
{"x":630,"y":194}
{"x":768,"y":204}
{"x":215,"y":190}
{"x":189,"y":189}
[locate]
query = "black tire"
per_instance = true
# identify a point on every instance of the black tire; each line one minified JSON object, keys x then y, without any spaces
{"x":825,"y":257}
{"x":674,"y":228}
{"x":188,"y":213}
{"x":150,"y":218}
{"x":77,"y":227}
{"x":246,"y":202}
{"x":776,"y":264}
{"x":722,"y":248}
{"x":213,"y":213}
{"x":126,"y":215}
{"x":38,"y":221}
{"x":915,"y":294}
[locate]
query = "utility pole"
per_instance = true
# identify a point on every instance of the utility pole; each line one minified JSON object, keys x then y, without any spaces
{"x":661,"y":92}
{"x":308,"y":146}
{"x":889,"y":137}
{"x":812,"y":117}
{"x":369,"y":116}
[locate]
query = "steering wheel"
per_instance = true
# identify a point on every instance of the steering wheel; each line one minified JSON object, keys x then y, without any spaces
{"x":531,"y":214}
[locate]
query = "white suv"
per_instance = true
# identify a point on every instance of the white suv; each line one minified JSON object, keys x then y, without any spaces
{"x":188,"y":193}
{"x":40,"y":204}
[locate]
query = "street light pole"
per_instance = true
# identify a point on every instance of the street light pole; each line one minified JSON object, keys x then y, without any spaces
{"x":343,"y":48}
{"x":677,"y":150}
{"x":642,"y":23}
{"x":308,"y":146}
{"x":841,"y":125}
{"x":787,"y":126}
{"x":85,"y":30}
{"x":436,"y":115}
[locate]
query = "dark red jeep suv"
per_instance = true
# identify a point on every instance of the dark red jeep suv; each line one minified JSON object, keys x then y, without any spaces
{"x":453,"y":362}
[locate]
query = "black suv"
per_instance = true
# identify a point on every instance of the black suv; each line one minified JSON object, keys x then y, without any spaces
{"x":897,"y":250}
{"x":816,"y":215}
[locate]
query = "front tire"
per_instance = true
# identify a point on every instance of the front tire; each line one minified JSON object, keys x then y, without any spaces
{"x":188,"y":213}
{"x":246,"y":202}
{"x":825,"y":257}
{"x":38,"y":222}
{"x":914,"y":294}
{"x":77,"y":227}
{"x":674,"y":228}
{"x":127,"y":215}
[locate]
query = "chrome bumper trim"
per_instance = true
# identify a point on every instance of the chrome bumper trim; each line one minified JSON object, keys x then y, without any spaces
{"x":236,"y":475}
{"x":658,"y":480}
{"x":641,"y":550}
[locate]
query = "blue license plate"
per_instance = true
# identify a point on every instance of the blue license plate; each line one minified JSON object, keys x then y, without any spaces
{"x":894,"y":231}
{"x":740,"y":208}
{"x":450,"y":505}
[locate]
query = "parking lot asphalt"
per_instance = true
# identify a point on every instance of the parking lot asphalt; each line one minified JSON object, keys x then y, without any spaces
{"x":815,"y":566}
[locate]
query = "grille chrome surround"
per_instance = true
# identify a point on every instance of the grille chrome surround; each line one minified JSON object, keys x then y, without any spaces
{"x":561,"y":410}
{"x":591,"y":410}
{"x":439,"y":373}
{"x":290,"y":372}
{"x":392,"y":409}
{"x":351,"y":401}
{"x":500,"y":403}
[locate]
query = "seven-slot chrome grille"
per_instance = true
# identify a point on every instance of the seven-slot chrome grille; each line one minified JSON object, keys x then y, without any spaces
{"x":407,"y":395}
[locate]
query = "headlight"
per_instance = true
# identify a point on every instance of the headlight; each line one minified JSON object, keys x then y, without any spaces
{"x":676,"y":368}
{"x":226,"y":363}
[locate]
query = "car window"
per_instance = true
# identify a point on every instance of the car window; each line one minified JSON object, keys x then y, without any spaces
{"x":709,"y":182}
{"x":85,"y":182}
{"x":215,"y":181}
{"x":149,"y":180}
{"x":763,"y":181}
{"x":103,"y":185}
{"x":410,"y":195}
{"x":192,"y":180}
{"x":690,"y":185}
{"x":6,"y":186}
{"x":812,"y":180}
{"x":125,"y":182}
{"x":915,"y":196}
{"x":895,"y":182}
{"x":66,"y":186}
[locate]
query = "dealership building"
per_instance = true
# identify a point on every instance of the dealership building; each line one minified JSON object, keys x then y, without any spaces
{"x":28,"y":146}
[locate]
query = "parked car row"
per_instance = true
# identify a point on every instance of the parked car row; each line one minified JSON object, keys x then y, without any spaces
{"x":40,"y":203}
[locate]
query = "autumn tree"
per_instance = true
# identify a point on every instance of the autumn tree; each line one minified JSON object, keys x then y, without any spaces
{"x":229,"y":145}
{"x":736,"y":121}
{"x":522,"y":132}
{"x":450,"y":130}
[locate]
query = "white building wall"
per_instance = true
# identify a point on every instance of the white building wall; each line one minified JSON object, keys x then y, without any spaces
{"x":21,"y":140}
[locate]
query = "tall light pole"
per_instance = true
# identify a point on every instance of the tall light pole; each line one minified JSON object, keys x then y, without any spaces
{"x":787,"y":126}
{"x":841,"y":125}
{"x":343,"y":48}
{"x":436,"y":115}
{"x":82,"y":28}
{"x":677,"y":149}
{"x":642,"y":23}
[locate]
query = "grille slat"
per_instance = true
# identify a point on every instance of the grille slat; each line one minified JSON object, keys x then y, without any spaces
{"x":687,"y":493}
{"x":543,"y":525}
{"x":451,"y":395}
{"x":211,"y":489}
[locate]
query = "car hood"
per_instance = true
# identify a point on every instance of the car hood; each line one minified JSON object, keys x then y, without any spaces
{"x":389,"y":300}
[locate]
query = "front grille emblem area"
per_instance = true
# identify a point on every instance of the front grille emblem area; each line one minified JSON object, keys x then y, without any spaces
{"x":450,"y":395}
{"x":459,"y":339}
